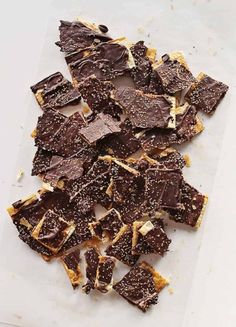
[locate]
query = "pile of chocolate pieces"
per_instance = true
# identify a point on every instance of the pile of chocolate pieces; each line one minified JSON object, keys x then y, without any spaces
{"x":117,"y":153}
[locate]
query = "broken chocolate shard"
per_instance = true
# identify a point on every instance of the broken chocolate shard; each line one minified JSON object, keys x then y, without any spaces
{"x":162,"y":189}
{"x":106,"y":61}
{"x":41,"y":161}
{"x":121,"y":247}
{"x":78,"y":35}
{"x":146,"y":110}
{"x":103,"y":28}
{"x":149,"y":237}
{"x":206,"y":93}
{"x":169,"y":159}
{"x":53,"y":231}
{"x":111,"y":223}
{"x":193,"y":206}
{"x":141,"y":286}
{"x":104,"y":280}
{"x":92,"y":261}
{"x":55,"y":92}
{"x":102,"y":126}
{"x":173,"y":75}
{"x":97,"y":94}
{"x":71,"y":263}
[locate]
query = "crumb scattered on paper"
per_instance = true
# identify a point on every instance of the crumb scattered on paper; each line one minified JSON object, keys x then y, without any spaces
{"x":19,"y":175}
{"x":170,"y":290}
{"x":187,"y":160}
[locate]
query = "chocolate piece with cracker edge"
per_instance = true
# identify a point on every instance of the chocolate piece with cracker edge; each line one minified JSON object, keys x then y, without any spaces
{"x":194,"y":204}
{"x":173,"y":73}
{"x":104,"y":280}
{"x":162,"y":189}
{"x":97,"y":95}
{"x":121,"y":247}
{"x":79,"y":35}
{"x":206,"y":93}
{"x":92,"y":261}
{"x":141,"y":286}
{"x":149,"y":237}
{"x":55,"y":92}
{"x":146,"y":110}
{"x":53,"y":231}
{"x":122,"y":144}
{"x":102,"y":126}
{"x":168,"y":158}
{"x":71,"y":262}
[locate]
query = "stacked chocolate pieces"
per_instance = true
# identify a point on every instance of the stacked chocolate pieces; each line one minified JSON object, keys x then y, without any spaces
{"x":118,"y":154}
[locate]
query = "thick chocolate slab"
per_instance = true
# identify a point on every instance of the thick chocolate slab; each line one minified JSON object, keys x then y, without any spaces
{"x":79,"y":35}
{"x":173,"y":75}
{"x":206,"y":93}
{"x":145,"y":110}
{"x":102,"y":126}
{"x":55,"y":92}
{"x":193,"y":203}
{"x":141,"y":286}
{"x":121,"y":247}
{"x":92,"y":261}
{"x":104,"y":280}
{"x":71,"y":263}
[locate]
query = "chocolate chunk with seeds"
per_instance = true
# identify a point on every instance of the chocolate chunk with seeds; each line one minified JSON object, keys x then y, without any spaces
{"x":53,"y":231}
{"x":92,"y":261}
{"x":55,"y":92}
{"x":41,"y":161}
{"x":102,"y":126}
{"x":79,"y":35}
{"x":206,"y":93}
{"x":104,"y":280}
{"x":173,"y":75}
{"x":193,"y":206}
{"x":162,"y":189}
{"x":121,"y":247}
{"x":149,"y":237}
{"x":71,"y":262}
{"x":169,"y":159}
{"x":146,"y":110}
{"x":141,"y":286}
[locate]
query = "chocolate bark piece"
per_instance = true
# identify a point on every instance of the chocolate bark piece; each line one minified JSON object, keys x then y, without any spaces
{"x":206,"y":93}
{"x":63,"y":168}
{"x":71,"y":262}
{"x":92,"y":261}
{"x":79,"y":35}
{"x":53,"y":231}
{"x":146,"y":110}
{"x":90,"y":189}
{"x":162,"y":189}
{"x":121,"y":247}
{"x":141,"y":73}
{"x":188,"y":125}
{"x":55,"y":92}
{"x":60,"y":135}
{"x":193,"y":206}
{"x":102,"y":126}
{"x":104,"y":280}
{"x":169,"y":159}
{"x":106,"y":61}
{"x":122,"y":144}
{"x":97,"y":94}
{"x":141,"y":286}
{"x":173,"y":75}
{"x":149,"y":237}
{"x":41,"y":161}
{"x":155,"y":86}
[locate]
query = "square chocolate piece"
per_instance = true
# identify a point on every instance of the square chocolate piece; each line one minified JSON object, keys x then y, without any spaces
{"x":149,"y":237}
{"x":121,"y":247}
{"x":104,"y":280}
{"x":102,"y":126}
{"x":206,"y":93}
{"x":193,"y":206}
{"x":141,"y":286}
{"x":71,"y":264}
{"x":146,"y":110}
{"x":92,"y":261}
{"x":79,"y":35}
{"x":173,"y":75}
{"x":53,"y":231}
{"x":55,"y":92}
{"x":163,"y":189}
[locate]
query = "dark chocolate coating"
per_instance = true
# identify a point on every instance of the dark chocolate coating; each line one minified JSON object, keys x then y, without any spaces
{"x":111,"y":223}
{"x":41,"y":161}
{"x":207,"y":94}
{"x":72,"y":259}
{"x":104,"y":273}
{"x":92,"y":260}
